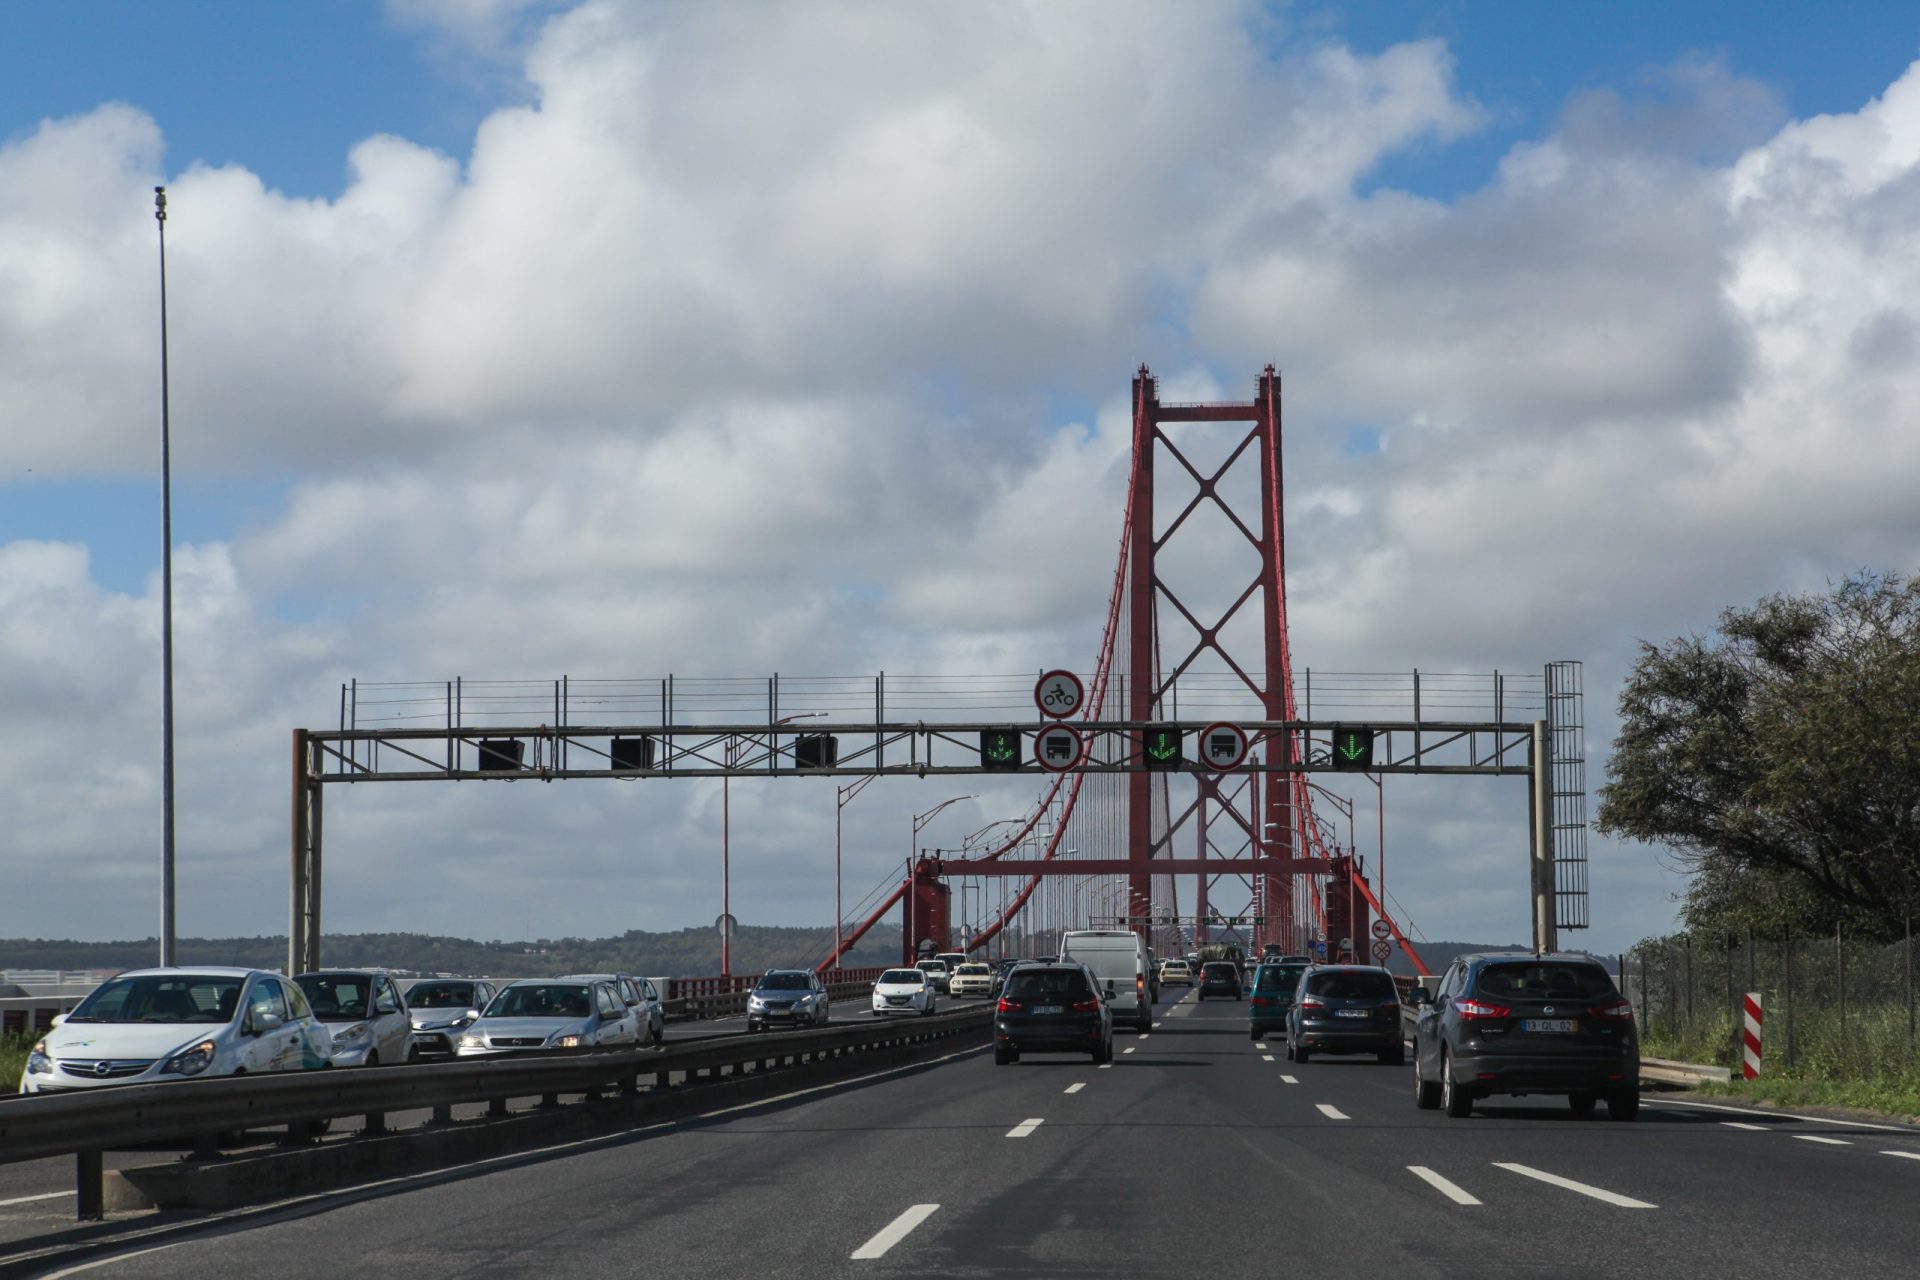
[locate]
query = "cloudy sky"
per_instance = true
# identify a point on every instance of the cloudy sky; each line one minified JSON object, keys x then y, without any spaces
{"x":513,"y":339}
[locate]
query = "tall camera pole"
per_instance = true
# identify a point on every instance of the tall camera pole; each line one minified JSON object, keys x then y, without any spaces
{"x":166,"y":609}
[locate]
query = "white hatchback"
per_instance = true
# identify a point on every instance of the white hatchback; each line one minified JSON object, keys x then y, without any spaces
{"x":903,"y":991}
{"x":153,"y":1025}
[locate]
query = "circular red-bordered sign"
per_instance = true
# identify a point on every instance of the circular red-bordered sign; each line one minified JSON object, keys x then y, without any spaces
{"x":1059,"y":747}
{"x":1059,"y":694}
{"x":1218,"y":735}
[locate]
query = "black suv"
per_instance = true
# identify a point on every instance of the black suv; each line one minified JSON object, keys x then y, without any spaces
{"x":1518,"y":1023}
{"x":1220,"y":978}
{"x":1345,"y":1008}
{"x":1051,"y":1007}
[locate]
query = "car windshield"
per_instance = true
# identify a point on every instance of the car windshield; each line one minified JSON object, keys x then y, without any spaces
{"x":542,"y":1000}
{"x":337,"y":997}
{"x":784,"y":982}
{"x":440,"y":995}
{"x":903,"y":978}
{"x":933,"y":966}
{"x":1352,"y":984}
{"x":1048,"y":984}
{"x":1279,"y":977}
{"x":162,"y":998}
{"x":1536,"y":981}
{"x":974,"y":969}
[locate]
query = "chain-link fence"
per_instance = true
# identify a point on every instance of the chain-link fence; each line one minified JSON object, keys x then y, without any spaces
{"x":1833,"y":1008}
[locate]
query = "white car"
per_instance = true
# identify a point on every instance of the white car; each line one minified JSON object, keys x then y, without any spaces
{"x":640,"y":996}
{"x":153,"y":1025}
{"x":369,"y":1022}
{"x":550,"y":1013}
{"x":903,"y":991}
{"x":971,"y":979}
{"x":1172,"y":971}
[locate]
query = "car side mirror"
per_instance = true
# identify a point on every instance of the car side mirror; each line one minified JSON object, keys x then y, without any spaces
{"x":59,"y":1018}
{"x":472,"y":1015}
{"x":1106,"y":996}
{"x":265,"y":1022}
{"x":1418,"y":996}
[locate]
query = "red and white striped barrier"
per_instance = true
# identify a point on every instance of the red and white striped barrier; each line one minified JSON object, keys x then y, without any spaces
{"x":1750,"y":1038}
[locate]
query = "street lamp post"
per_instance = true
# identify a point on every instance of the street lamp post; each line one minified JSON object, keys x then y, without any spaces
{"x":166,"y":607}
{"x":726,"y":845}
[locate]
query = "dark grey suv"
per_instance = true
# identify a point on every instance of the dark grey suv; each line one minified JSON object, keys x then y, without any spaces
{"x":1345,"y":1008}
{"x":1520,"y":1023}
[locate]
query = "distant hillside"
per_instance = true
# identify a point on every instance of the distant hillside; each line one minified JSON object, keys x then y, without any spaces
{"x":687,"y":953}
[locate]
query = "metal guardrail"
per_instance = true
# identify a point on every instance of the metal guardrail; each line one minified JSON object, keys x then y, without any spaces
{"x":84,"y":1123}
{"x":1667,"y":1071}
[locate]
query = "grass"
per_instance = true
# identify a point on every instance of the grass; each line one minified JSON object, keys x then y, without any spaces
{"x":13,"y":1059}
{"x":1864,"y":1061}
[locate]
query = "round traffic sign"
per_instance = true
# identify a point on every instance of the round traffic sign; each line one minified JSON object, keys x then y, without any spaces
{"x":1059,"y":694}
{"x":1223,"y":746}
{"x":1382,"y":949}
{"x":1058,"y":747}
{"x":1381,"y":928}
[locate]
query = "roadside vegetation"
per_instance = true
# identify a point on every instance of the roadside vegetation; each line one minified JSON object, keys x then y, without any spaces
{"x":13,"y":1060}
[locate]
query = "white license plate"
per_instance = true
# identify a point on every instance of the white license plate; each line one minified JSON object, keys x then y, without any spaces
{"x":1355,"y":1013}
{"x":1552,"y":1026}
{"x":1046,"y":1008}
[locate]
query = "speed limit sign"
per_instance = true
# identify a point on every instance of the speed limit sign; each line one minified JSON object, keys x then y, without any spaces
{"x":1382,"y":949}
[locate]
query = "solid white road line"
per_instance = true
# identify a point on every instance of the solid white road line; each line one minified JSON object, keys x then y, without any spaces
{"x":1024,"y":1128}
{"x":46,"y":1195}
{"x":1075,"y":1088}
{"x":1266,"y":1057}
{"x":1788,"y":1115}
{"x":1440,"y":1184}
{"x":894,"y":1232}
{"x":1736,"y":1124}
{"x":1568,"y":1184}
{"x":1290,"y":1079}
{"x":1331,"y":1112}
{"x":1814,"y":1137}
{"x":1904,"y":1155}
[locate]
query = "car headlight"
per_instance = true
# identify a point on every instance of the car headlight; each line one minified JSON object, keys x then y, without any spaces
{"x":38,"y":1063}
{"x":191,"y":1062}
{"x":755,"y":1002}
{"x":571,"y":1040}
{"x":355,"y":1032}
{"x":458,"y":1023}
{"x":473,"y":1041}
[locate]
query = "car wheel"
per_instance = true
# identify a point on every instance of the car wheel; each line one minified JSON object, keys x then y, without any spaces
{"x":1426,"y":1094}
{"x":1393,"y":1057}
{"x":1002,"y":1055}
{"x":413,"y":1053}
{"x":373,"y":1059}
{"x":1102,"y":1053}
{"x":1623,"y":1104}
{"x":1255,"y":1034}
{"x":659,"y":1027}
{"x":1582,"y":1104}
{"x":1301,"y":1055}
{"x":1458,"y":1102}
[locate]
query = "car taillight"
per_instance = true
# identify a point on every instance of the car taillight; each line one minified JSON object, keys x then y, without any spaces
{"x":1614,"y":1010}
{"x":1312,"y":1002}
{"x":1471,"y":1009}
{"x":1085,"y":1006}
{"x":1012,"y":1006}
{"x":1260,"y":1001}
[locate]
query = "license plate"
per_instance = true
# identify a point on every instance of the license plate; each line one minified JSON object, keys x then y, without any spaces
{"x":1046,"y":1008}
{"x":1554,"y":1026}
{"x":1355,"y":1013}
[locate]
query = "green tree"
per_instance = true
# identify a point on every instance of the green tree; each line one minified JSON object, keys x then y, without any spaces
{"x":1779,"y":758}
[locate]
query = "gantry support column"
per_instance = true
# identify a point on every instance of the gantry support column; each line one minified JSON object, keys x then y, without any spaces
{"x":303,"y":928}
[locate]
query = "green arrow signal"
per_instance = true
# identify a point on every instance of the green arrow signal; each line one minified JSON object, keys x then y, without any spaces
{"x":1353,"y":750}
{"x":1163,"y":748}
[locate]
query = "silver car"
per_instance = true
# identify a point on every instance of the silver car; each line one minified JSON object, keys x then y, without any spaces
{"x":640,"y":996}
{"x":442,"y":1008}
{"x":790,"y":997}
{"x":365,"y":1014}
{"x":550,"y":1013}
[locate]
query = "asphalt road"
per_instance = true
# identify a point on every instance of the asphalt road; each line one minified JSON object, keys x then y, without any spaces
{"x":1197,"y":1151}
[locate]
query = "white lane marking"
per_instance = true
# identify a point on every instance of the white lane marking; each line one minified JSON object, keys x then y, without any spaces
{"x":1262,"y":1046}
{"x":894,"y":1232}
{"x":1814,"y":1137}
{"x":1128,"y":1049}
{"x":1156,"y":1026}
{"x":1075,"y":1088}
{"x":1904,"y":1155}
{"x":1291,"y":1079}
{"x":1568,"y":1184}
{"x":1024,"y":1128}
{"x":1266,"y":1057}
{"x":1331,"y":1112}
{"x":1787,"y":1115}
{"x":1108,"y":1066}
{"x":1440,"y":1184}
{"x":45,"y":1195}
{"x":1143,"y":1035}
{"x":1755,"y":1128}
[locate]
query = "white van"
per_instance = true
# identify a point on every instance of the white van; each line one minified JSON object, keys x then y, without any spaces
{"x":1118,"y":959}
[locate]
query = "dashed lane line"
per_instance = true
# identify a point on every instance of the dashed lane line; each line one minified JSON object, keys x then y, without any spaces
{"x":1828,"y":1142}
{"x":1105,"y":1066}
{"x":1024,"y":1128}
{"x":45,"y":1195}
{"x":1266,"y":1057}
{"x":894,"y":1232}
{"x":1904,"y":1155}
{"x":1754,"y":1128}
{"x":1568,"y":1184}
{"x":1290,"y":1079}
{"x":1143,"y":1035}
{"x":1128,"y":1049}
{"x":1075,"y":1088}
{"x":1448,"y":1189}
{"x":1331,"y":1112}
{"x":1788,"y":1115}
